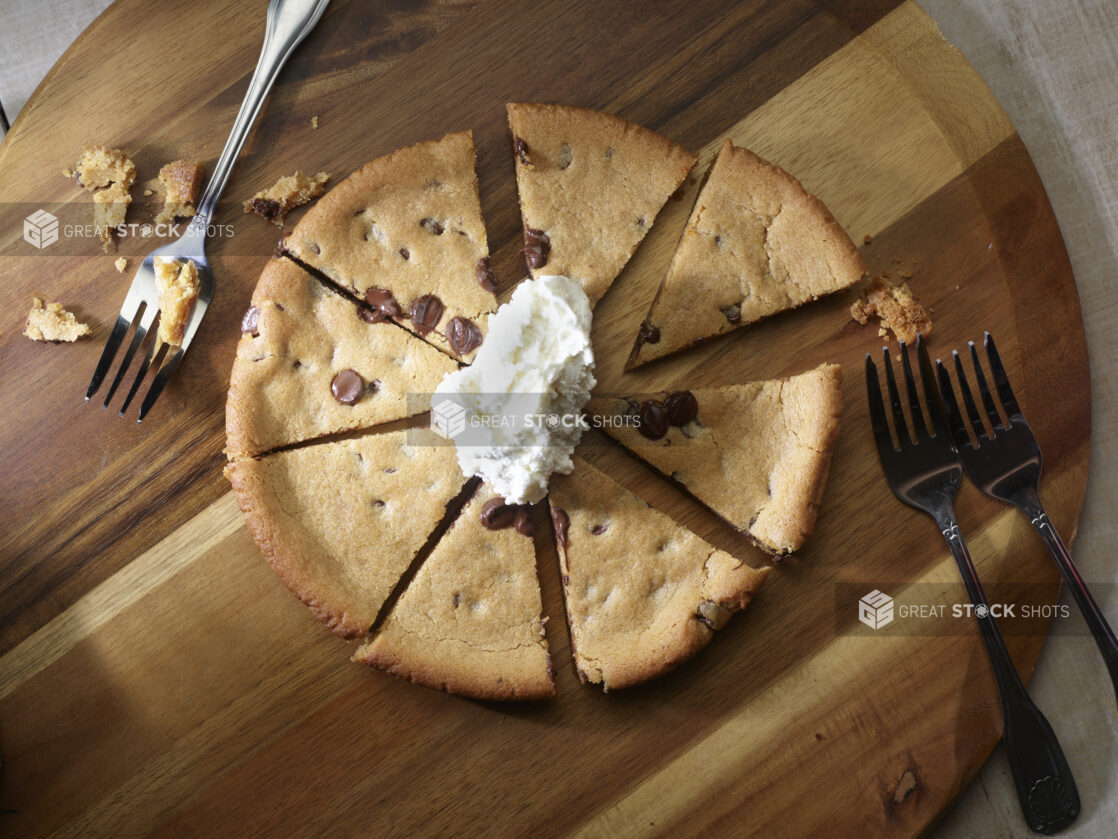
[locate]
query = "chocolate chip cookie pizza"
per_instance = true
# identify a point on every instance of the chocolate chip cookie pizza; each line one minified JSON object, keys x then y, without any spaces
{"x":470,"y":622}
{"x":406,"y":234}
{"x":757,"y":454}
{"x":756,"y":243}
{"x":590,"y":185}
{"x":643,"y":593}
{"x":341,"y":521}
{"x":312,"y":363}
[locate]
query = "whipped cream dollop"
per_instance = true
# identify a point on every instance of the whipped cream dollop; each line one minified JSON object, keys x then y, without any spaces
{"x":525,"y":391}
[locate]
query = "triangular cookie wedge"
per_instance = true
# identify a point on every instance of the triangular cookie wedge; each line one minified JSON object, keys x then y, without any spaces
{"x":470,"y":620}
{"x":406,"y":233}
{"x":756,"y":244}
{"x":757,"y":454}
{"x":310,"y":364}
{"x":590,"y":185}
{"x":643,"y":594}
{"x":341,"y":522}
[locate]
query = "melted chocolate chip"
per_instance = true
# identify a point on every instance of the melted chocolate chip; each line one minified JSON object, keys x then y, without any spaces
{"x":537,"y":245}
{"x":681,"y":407}
{"x":348,"y":387}
{"x":370,"y":315}
{"x":485,"y":277}
{"x":381,"y":300}
{"x":267,"y":208}
{"x":497,"y":515}
{"x":732,"y":313}
{"x":520,"y":149}
{"x":648,"y":334}
{"x":432,"y":226}
{"x":463,"y":335}
{"x":405,"y":253}
{"x":562,"y":524}
{"x":524,"y":524}
{"x":425,"y":312}
{"x":249,"y":322}
{"x":599,"y":529}
{"x":654,"y":420}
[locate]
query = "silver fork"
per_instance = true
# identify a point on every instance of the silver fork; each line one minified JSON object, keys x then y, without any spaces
{"x":289,"y":22}
{"x":1005,"y":464}
{"x":924,"y":473}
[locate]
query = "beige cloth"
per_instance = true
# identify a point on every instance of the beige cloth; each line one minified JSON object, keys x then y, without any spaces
{"x":1053,"y":64}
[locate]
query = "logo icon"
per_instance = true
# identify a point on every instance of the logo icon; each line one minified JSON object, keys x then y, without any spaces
{"x":40,"y":229}
{"x":875,"y":610}
{"x":448,"y":419}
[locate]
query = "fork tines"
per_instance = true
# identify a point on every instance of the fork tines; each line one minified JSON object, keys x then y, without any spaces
{"x":143,"y":318}
{"x":994,"y":421}
{"x":921,"y":428}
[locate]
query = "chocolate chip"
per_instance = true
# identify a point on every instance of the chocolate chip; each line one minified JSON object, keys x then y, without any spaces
{"x":348,"y":387}
{"x":378,"y":503}
{"x":524,"y":524}
{"x":405,"y":253}
{"x":463,"y":335}
{"x":718,"y":241}
{"x":296,"y":365}
{"x":537,"y":245}
{"x":497,"y":515}
{"x":648,"y":334}
{"x":267,"y":208}
{"x":425,"y":312}
{"x":381,"y":300}
{"x":732,"y":313}
{"x":370,"y":315}
{"x":640,"y":221}
{"x":456,"y":599}
{"x":432,"y":226}
{"x":485,"y":277}
{"x":654,"y":420}
{"x":249,"y":322}
{"x":562,"y":524}
{"x":280,"y":307}
{"x":599,"y":529}
{"x":520,"y":148}
{"x":681,"y":407}
{"x":316,"y":249}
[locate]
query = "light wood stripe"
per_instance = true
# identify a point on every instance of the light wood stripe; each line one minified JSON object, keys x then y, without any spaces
{"x":136,"y":581}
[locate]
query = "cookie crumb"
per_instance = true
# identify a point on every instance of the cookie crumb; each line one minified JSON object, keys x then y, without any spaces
{"x":68,"y":173}
{"x":314,"y":122}
{"x":895,"y":306}
{"x":286,"y":194}
{"x":867,"y":239}
{"x":148,"y":192}
{"x":121,"y":264}
{"x":50,"y":322}
{"x":181,"y":181}
{"x":178,"y":289}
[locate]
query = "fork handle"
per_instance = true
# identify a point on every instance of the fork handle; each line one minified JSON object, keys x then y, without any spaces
{"x":289,"y":22}
{"x":1046,"y":789}
{"x":1092,"y":614}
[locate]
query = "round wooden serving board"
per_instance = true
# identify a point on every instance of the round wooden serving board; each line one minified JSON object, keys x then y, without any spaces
{"x":156,"y":677}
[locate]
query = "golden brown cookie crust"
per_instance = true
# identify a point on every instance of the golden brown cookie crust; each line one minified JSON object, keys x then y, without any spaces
{"x":643,"y":594}
{"x":756,"y":243}
{"x":470,"y":620}
{"x":341,"y":522}
{"x":757,"y":454}
{"x":409,"y":222}
{"x":301,"y":335}
{"x":593,"y":183}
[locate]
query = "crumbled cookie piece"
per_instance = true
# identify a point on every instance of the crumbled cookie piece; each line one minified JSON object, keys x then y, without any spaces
{"x":110,"y":206}
{"x":178,"y":289}
{"x":895,"y":306}
{"x":99,"y":167}
{"x":50,"y":322}
{"x":314,"y":122}
{"x":289,"y":192}
{"x":121,"y":265}
{"x":181,"y":181}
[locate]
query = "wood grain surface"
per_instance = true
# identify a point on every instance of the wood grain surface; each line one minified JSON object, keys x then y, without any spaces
{"x":157,"y":678}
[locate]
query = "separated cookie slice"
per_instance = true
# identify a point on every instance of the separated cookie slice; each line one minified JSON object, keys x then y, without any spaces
{"x":590,"y":186}
{"x":757,"y":454}
{"x":756,"y":244}
{"x":341,"y":522}
{"x":470,"y":622}
{"x":310,"y":363}
{"x":406,"y":233}
{"x":643,"y":594}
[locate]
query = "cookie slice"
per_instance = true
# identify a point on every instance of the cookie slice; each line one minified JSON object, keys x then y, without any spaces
{"x":757,"y":454}
{"x":309,"y":363}
{"x":340,"y":522}
{"x":406,"y":233}
{"x":590,"y":187}
{"x":643,"y":594}
{"x":756,"y":244}
{"x":469,"y":622}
